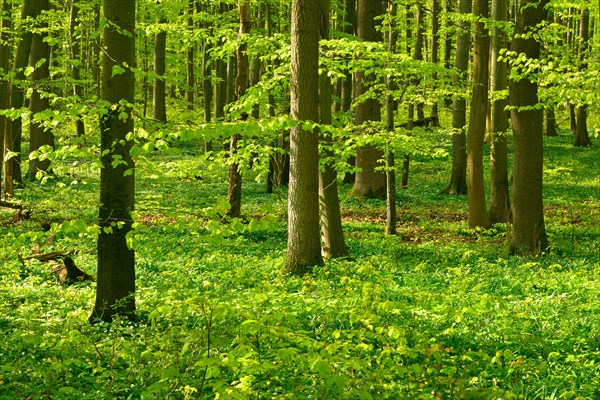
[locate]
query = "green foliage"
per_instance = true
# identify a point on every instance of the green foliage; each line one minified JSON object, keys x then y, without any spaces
{"x":432,"y":313}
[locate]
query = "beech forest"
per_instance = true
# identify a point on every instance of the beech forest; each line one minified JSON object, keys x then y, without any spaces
{"x":300,"y":199}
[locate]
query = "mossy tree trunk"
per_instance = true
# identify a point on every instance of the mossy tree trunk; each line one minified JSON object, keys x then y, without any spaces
{"x":115,"y":292}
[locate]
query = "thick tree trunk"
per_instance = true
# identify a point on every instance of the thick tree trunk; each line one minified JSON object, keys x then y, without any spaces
{"x":550,"y":126}
{"x":332,"y":234}
{"x":368,"y":182}
{"x":159,"y":101}
{"x":115,"y":293}
{"x":499,"y":193}
{"x":529,"y":232}
{"x":458,"y":177}
{"x":17,"y":92}
{"x":39,"y":60}
{"x":304,"y":246}
{"x":234,"y":191}
{"x":478,"y":216}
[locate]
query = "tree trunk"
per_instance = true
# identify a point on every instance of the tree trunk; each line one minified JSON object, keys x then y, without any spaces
{"x":17,"y":92}
{"x":478,"y":216}
{"x":304,"y":246}
{"x":368,"y":182}
{"x":529,"y":232}
{"x":418,"y":50}
{"x":207,"y":91}
{"x":332,"y":234}
{"x":458,"y":177}
{"x":159,"y":104}
{"x":75,"y":62}
{"x":390,"y":106}
{"x":550,"y":127}
{"x":582,"y":137}
{"x":346,"y":84}
{"x":234,"y":191}
{"x":190,"y":79}
{"x":115,"y":292}
{"x":499,"y":193}
{"x":5,"y":28}
{"x":39,"y":60}
{"x":435,"y":39}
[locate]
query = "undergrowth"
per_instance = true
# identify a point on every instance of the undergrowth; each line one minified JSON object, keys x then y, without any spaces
{"x":435,"y":312}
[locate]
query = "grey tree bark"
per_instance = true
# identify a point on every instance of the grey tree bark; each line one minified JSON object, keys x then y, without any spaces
{"x":304,"y":246}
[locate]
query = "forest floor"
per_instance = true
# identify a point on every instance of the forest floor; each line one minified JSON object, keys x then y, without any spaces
{"x":435,"y":312}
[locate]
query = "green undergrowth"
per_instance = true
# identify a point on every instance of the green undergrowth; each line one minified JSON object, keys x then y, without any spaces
{"x":435,"y":312}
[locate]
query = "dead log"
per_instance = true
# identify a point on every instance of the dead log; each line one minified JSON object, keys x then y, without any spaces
{"x":54,"y":255}
{"x":68,"y":273}
{"x":14,"y":206}
{"x":22,"y":213}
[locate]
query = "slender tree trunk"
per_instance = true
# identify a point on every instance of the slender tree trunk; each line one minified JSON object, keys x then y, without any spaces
{"x":76,"y":61}
{"x":273,"y":157}
{"x":478,"y":216}
{"x":458,"y":177}
{"x":346,"y":84}
{"x":418,"y":50}
{"x":499,"y":193}
{"x":332,"y":234}
{"x":435,"y":39}
{"x":207,"y":92}
{"x":582,"y":137}
{"x":190,"y":79}
{"x":406,"y":159}
{"x":159,"y":103}
{"x":115,"y":292}
{"x":304,"y":247}
{"x":5,"y":28}
{"x":234,"y":192}
{"x":390,"y":106}
{"x":39,"y":60}
{"x":368,"y":183}
{"x":529,"y":232}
